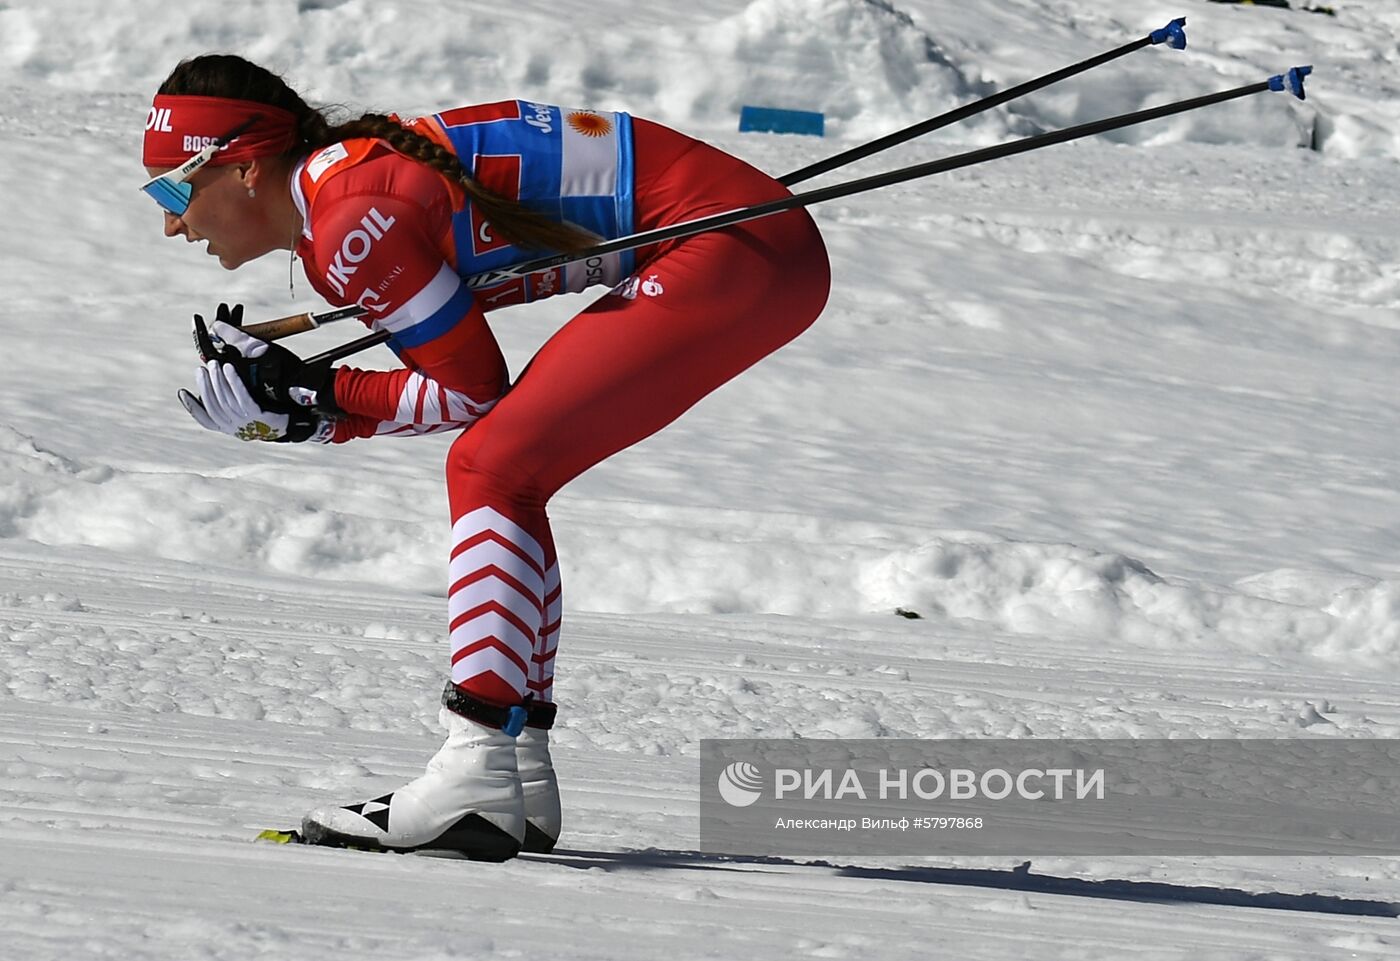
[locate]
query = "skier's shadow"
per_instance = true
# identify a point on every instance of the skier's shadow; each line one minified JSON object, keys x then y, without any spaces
{"x":1016,"y":879}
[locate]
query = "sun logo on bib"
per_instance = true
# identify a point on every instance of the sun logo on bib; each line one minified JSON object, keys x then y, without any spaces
{"x":589,"y":124}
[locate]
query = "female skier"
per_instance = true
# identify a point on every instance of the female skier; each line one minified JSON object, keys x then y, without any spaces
{"x":392,"y":214}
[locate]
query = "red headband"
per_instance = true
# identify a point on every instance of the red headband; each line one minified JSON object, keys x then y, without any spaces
{"x":179,"y":127}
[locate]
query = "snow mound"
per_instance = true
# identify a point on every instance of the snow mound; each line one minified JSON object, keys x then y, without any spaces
{"x":870,"y":65}
{"x":1057,"y":589}
{"x":1024,"y":588}
{"x":1367,"y":623}
{"x":865,"y":63}
{"x":235,"y":521}
{"x":633,"y":559}
{"x":29,"y":471}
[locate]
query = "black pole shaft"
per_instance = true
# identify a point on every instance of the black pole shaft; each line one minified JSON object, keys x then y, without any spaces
{"x":350,"y":347}
{"x":875,"y":182}
{"x":833,"y":192}
{"x":1002,"y":150}
{"x":958,"y":115}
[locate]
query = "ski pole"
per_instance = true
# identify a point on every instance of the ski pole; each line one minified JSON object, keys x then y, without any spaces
{"x":1173,"y":34}
{"x":300,"y":323}
{"x":1290,"y":81}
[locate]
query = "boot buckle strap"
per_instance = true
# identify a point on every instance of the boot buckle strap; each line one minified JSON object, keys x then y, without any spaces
{"x":512,"y":720}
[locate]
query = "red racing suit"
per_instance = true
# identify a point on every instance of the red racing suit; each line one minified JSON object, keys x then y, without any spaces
{"x":390,"y":233}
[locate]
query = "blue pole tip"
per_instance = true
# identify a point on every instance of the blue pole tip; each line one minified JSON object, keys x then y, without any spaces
{"x":1291,"y":81}
{"x":1173,"y":34}
{"x":1295,"y":81}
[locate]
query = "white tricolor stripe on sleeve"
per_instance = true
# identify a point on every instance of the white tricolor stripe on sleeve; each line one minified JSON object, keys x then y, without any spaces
{"x":422,"y":306}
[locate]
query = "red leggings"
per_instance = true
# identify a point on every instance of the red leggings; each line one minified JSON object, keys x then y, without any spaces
{"x":697,"y":312}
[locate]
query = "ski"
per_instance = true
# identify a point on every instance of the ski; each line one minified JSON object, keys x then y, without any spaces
{"x":337,"y":841}
{"x":293,"y":836}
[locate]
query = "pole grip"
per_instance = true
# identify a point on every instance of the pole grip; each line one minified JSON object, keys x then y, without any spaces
{"x":281,"y":327}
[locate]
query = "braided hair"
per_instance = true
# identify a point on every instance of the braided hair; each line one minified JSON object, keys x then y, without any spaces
{"x":229,"y":75}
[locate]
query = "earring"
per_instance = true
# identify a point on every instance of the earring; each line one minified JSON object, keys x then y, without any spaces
{"x":252,"y":192}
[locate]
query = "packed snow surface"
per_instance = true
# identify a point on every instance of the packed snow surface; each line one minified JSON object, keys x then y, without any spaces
{"x":1117,"y":420}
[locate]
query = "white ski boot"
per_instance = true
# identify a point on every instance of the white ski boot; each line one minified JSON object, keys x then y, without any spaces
{"x":469,"y":801}
{"x":541,"y":789}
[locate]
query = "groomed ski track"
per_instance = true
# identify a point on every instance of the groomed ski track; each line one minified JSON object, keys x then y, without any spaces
{"x":137,"y":826}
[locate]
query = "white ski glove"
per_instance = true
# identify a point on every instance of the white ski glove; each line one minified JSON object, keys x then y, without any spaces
{"x":225,"y":405}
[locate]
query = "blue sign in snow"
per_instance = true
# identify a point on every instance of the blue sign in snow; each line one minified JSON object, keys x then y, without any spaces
{"x":775,"y":120}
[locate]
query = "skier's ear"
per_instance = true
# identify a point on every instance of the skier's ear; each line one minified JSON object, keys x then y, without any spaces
{"x":252,"y":174}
